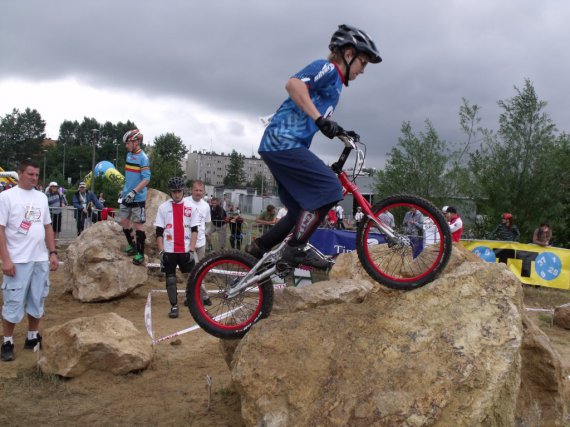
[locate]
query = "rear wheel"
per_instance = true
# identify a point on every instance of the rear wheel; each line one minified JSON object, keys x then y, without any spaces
{"x":414,"y":255}
{"x":226,"y":317}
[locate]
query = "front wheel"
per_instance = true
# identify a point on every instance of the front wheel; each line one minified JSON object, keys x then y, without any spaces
{"x":210,"y":281}
{"x":418,"y":249}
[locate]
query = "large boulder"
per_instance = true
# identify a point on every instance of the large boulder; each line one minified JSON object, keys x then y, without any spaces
{"x":105,"y":342}
{"x":446,"y":354}
{"x":541,"y":397}
{"x":154,"y":198}
{"x":96,"y":267}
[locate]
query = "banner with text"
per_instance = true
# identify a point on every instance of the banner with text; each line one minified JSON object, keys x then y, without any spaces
{"x":533,"y":264}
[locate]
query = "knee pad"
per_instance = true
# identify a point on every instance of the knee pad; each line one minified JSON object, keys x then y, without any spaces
{"x":171,"y":290}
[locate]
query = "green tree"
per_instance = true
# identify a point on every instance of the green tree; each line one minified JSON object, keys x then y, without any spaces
{"x":257,"y":182}
{"x":21,"y":136}
{"x":236,"y":175}
{"x":513,"y":170}
{"x":416,"y":165}
{"x":166,"y":155}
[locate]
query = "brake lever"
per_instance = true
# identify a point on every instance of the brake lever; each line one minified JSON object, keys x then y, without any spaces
{"x":348,"y":140}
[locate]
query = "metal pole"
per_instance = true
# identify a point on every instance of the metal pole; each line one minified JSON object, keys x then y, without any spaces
{"x":45,"y":153}
{"x":94,"y":143}
{"x":64,"y":162}
{"x":116,"y":152}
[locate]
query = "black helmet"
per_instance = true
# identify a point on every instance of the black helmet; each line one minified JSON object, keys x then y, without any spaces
{"x":350,"y":36}
{"x":175,"y":183}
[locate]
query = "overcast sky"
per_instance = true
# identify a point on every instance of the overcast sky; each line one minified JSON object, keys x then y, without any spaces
{"x":207,"y":71}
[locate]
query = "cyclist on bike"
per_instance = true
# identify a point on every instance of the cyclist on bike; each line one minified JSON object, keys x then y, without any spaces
{"x":307,"y":186}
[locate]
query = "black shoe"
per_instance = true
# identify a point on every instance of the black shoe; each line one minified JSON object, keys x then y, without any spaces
{"x":207,"y":301}
{"x":7,"y":353}
{"x":30,"y":344}
{"x":295,"y":255}
{"x":173,"y":312}
{"x":255,"y":250}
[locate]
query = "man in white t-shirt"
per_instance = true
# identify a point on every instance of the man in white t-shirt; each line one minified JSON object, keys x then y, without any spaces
{"x":27,"y":250}
{"x":176,"y":235}
{"x":339,"y":217}
{"x":203,"y":208}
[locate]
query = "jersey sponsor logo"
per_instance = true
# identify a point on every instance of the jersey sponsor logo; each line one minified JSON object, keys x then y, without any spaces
{"x":326,"y":68}
{"x":168,"y":226}
{"x":187,"y":211}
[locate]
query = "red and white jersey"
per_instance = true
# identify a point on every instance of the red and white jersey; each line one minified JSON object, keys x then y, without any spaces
{"x":456,"y":228}
{"x":177,"y":219}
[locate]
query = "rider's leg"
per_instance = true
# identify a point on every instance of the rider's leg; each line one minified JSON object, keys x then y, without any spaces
{"x":306,"y":225}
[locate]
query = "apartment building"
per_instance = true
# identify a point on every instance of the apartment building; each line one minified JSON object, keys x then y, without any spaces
{"x":212,"y":168}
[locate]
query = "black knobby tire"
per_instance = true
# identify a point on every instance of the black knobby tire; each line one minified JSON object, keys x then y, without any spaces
{"x":227,"y":318}
{"x":400,"y":262}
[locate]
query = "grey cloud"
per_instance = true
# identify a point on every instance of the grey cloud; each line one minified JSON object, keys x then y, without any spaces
{"x":237,"y":56}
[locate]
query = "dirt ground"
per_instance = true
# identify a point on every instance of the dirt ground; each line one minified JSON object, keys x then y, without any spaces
{"x":173,"y":391}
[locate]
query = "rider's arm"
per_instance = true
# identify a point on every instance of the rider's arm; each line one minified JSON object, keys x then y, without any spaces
{"x":299,"y":93}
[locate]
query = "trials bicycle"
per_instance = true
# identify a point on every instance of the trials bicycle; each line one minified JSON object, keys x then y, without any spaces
{"x":395,"y":255}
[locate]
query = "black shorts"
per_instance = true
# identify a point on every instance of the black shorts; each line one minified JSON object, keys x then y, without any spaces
{"x":185,"y":261}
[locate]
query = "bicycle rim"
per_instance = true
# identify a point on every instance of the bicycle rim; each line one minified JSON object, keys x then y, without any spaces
{"x":227,"y":317}
{"x":415,"y":255}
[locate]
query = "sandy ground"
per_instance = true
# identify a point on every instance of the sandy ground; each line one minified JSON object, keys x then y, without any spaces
{"x":173,"y":391}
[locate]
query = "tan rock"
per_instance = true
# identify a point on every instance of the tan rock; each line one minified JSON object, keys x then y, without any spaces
{"x":562,"y":316}
{"x":105,"y":342}
{"x":447,"y":353}
{"x":540,"y":401}
{"x":96,"y":267}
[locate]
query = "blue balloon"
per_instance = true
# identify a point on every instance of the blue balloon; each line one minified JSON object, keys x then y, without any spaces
{"x":101,"y":167}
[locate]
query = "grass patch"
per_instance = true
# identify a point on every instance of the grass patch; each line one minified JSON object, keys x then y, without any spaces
{"x":543,"y":297}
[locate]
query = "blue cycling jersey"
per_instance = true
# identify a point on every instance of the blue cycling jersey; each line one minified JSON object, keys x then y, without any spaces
{"x":290,"y":127}
{"x":137,"y":168}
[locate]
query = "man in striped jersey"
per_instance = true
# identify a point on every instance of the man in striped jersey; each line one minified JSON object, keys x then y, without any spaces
{"x":176,"y":235}
{"x":132,"y":199}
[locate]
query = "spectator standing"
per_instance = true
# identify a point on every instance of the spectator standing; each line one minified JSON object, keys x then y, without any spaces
{"x":358,"y":216}
{"x":203,"y":208}
{"x":455,"y":222}
{"x":55,"y":202}
{"x":81,"y":201}
{"x":27,"y":250}
{"x":218,"y":226}
{"x":413,"y":226}
{"x":235,"y":221}
{"x":314,"y":93}
{"x":340,"y":217}
{"x":387,"y":218}
{"x":506,"y":230}
{"x":133,"y":197}
{"x":542,"y":235}
{"x":176,"y":235}
{"x":331,"y":219}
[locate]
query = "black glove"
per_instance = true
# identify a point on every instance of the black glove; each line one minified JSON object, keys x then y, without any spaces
{"x":129,"y":198}
{"x":353,"y":135}
{"x":329,"y":128}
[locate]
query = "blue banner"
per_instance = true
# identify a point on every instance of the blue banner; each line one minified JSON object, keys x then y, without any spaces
{"x":334,"y":242}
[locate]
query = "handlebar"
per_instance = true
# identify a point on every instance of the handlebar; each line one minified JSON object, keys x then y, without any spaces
{"x":349,"y":139}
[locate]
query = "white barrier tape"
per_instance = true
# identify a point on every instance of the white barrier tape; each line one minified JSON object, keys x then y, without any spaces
{"x":548,"y":310}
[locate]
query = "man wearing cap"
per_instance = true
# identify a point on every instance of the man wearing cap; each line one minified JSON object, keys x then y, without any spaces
{"x":81,"y":200}
{"x":55,"y":202}
{"x":455,"y":222}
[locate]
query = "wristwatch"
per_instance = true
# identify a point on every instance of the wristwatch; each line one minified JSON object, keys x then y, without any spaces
{"x":52,"y":252}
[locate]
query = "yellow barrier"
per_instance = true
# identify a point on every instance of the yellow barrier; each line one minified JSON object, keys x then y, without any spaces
{"x":533,"y":264}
